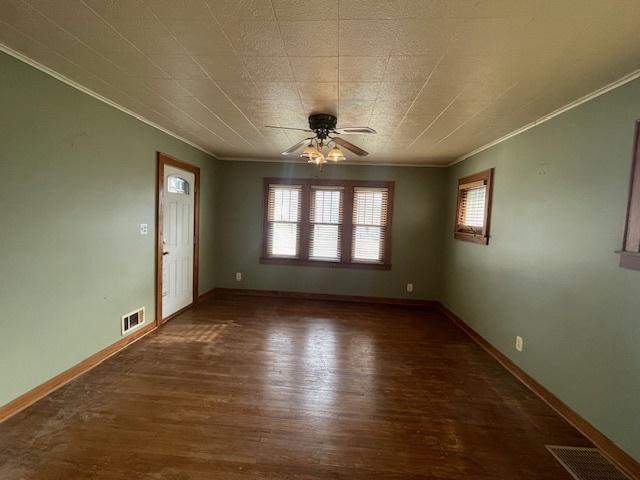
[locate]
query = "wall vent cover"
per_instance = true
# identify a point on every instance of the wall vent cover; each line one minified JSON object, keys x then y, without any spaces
{"x":586,"y":463}
{"x":132,"y":320}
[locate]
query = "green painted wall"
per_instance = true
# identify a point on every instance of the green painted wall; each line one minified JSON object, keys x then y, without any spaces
{"x":417,"y":238}
{"x":77,"y":178}
{"x":550,"y":273}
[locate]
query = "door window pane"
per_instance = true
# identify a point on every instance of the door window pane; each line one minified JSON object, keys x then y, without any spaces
{"x":177,"y":184}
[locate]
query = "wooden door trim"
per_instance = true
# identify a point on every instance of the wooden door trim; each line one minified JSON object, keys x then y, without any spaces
{"x":164,"y":159}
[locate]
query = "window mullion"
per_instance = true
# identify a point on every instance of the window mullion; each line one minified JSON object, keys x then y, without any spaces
{"x":347,"y":223}
{"x":305,"y":225}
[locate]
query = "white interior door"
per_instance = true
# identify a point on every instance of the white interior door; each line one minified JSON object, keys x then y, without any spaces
{"x":177,"y":232}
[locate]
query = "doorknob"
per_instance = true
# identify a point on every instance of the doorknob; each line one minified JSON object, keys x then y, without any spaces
{"x":165,"y":253}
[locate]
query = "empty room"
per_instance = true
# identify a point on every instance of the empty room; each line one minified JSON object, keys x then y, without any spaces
{"x":313,"y":240}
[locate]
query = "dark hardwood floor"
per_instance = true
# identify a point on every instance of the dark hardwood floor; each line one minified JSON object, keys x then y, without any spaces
{"x":262,"y":388}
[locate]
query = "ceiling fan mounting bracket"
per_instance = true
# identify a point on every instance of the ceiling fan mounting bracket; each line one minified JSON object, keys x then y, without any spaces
{"x":322,"y":124}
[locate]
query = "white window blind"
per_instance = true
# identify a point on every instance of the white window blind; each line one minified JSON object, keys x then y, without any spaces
{"x":472,"y":206}
{"x":283,"y":217}
{"x":325,"y":217}
{"x":370,"y":207}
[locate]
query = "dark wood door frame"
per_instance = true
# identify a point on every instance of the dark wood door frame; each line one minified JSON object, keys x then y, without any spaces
{"x":163,"y":160}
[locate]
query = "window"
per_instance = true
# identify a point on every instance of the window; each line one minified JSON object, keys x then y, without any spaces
{"x":176,"y":184}
{"x":369,"y":223}
{"x":328,"y":222}
{"x":630,"y":252}
{"x":474,"y":207}
{"x":283,"y":220}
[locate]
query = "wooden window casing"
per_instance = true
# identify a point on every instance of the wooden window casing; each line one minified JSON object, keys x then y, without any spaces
{"x":313,"y":220}
{"x":473,"y":208}
{"x":630,"y":252}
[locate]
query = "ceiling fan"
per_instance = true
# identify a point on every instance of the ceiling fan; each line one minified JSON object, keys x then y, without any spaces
{"x":324,"y":127}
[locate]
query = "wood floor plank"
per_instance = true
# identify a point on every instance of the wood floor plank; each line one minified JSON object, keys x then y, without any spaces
{"x":263,"y":388}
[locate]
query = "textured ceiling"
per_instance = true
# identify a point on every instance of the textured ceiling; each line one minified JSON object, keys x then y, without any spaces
{"x":436,"y":78}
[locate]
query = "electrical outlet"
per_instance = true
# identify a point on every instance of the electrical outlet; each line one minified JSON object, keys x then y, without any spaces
{"x":238,"y":276}
{"x":409,"y":287}
{"x":144,"y":229}
{"x":519,"y":343}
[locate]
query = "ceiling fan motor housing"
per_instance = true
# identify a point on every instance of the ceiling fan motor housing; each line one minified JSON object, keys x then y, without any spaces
{"x":322,"y":124}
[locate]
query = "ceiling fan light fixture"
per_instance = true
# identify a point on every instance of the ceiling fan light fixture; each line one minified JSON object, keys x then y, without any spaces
{"x":323,"y":125}
{"x":335,"y":154}
{"x":317,"y":159}
{"x":310,"y":152}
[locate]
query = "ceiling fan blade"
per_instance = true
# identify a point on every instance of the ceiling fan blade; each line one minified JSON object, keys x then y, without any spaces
{"x":289,"y":128}
{"x":351,"y":147}
{"x":297,"y":146}
{"x":347,"y":130}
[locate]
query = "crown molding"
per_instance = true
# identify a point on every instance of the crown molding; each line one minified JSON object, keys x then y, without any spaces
{"x":23,"y":58}
{"x":303,"y":162}
{"x":576,"y":103}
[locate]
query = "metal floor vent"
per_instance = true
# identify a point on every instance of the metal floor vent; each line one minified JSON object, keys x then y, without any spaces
{"x":586,"y":463}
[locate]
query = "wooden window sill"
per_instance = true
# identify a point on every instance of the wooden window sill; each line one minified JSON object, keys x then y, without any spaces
{"x":471,"y":237}
{"x":320,"y":263}
{"x":629,"y":260}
